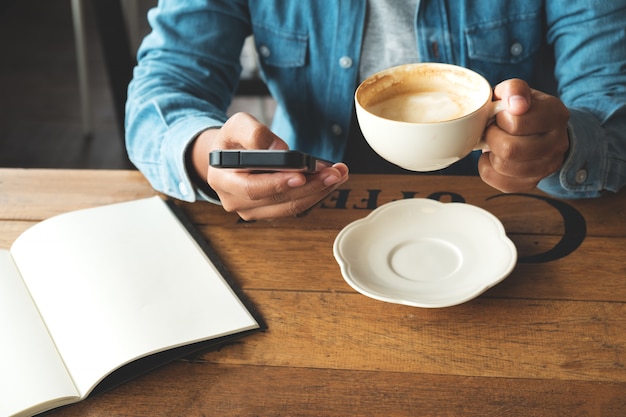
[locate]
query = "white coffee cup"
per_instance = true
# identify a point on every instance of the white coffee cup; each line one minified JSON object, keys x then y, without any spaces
{"x":425,"y":116}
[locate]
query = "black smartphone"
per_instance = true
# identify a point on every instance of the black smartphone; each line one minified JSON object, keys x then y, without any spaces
{"x":266,"y":160}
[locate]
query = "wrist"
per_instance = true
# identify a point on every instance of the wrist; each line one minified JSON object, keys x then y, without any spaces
{"x":197,"y":162}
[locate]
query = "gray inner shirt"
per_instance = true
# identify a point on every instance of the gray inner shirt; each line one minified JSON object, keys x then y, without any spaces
{"x":389,"y":37}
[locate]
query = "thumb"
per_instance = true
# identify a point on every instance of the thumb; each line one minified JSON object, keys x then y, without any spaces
{"x":279,"y":144}
{"x":515,"y":95}
{"x":245,"y":131}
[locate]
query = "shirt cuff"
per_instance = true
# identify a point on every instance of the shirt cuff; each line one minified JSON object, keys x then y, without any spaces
{"x":175,"y":176}
{"x":584,"y":172}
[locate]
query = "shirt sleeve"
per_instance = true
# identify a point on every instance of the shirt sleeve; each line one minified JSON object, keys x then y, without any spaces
{"x":592,"y":166}
{"x":590,"y":51}
{"x":188,"y":69}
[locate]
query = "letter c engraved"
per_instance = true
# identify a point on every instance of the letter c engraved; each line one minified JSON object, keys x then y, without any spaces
{"x":575,"y":230}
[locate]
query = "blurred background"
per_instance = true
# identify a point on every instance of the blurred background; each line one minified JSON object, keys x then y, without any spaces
{"x":46,"y":119}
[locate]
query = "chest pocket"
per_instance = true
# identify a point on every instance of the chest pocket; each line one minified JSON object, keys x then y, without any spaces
{"x":507,"y":47}
{"x":283,"y":64}
{"x":280,"y":48}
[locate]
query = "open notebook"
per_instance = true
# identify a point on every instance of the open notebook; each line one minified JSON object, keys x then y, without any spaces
{"x":94,"y":297}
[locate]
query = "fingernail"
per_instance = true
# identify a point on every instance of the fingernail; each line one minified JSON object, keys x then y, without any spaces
{"x":294,"y":182}
{"x":330,"y":180}
{"x":518,"y":101}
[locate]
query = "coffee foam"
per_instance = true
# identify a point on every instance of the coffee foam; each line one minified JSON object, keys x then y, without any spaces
{"x":421,"y":107}
{"x":423,"y":94}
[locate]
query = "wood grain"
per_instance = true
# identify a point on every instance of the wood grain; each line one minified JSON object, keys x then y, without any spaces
{"x":36,"y":194}
{"x":527,"y":213}
{"x":550,"y":340}
{"x":200,"y":389}
{"x":484,"y":337}
{"x":586,"y":273}
{"x":289,"y":262}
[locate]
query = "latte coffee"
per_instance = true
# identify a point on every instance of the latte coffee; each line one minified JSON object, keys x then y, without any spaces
{"x":425,"y":116}
{"x":422,"y":107}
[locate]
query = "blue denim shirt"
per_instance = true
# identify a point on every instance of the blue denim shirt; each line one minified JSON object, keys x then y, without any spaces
{"x":309,"y":50}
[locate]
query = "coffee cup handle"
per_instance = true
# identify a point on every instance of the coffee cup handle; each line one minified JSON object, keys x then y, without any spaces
{"x":495,"y":107}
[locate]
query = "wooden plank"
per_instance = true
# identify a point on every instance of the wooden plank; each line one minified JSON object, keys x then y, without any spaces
{"x":303,"y":260}
{"x":36,"y":194}
{"x":549,"y":340}
{"x":201,"y":389}
{"x":583,"y":341}
{"x":532,"y":213}
{"x":10,"y":230}
{"x":293,"y":259}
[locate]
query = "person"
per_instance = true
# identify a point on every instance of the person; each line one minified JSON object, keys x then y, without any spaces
{"x":559,"y":66}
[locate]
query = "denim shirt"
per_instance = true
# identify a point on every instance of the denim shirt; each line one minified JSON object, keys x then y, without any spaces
{"x":309,"y":51}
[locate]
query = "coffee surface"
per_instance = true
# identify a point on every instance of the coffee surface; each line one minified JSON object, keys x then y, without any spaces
{"x":422,"y":107}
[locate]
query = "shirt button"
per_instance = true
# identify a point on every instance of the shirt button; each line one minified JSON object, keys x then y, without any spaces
{"x":345,"y":62}
{"x":264,"y":51}
{"x":336,"y":129}
{"x":516,"y":49}
{"x":182,"y":188}
{"x":581,"y":176}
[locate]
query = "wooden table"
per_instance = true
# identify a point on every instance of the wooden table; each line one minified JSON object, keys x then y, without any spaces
{"x":550,"y":340}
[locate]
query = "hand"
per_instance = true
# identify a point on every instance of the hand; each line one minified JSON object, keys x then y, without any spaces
{"x":528,"y":140}
{"x":260,"y":195}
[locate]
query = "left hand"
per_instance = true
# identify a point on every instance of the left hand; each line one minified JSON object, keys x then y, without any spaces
{"x":528,"y":140}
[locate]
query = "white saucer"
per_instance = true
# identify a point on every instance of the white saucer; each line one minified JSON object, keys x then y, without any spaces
{"x":425,"y":253}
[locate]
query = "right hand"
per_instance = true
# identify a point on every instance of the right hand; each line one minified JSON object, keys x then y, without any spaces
{"x":260,"y":195}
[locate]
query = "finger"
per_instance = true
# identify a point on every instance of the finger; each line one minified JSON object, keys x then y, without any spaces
{"x":545,"y":114}
{"x":288,"y":208}
{"x":526,"y":147}
{"x":287,"y":185}
{"x":502,"y":182}
{"x":243,"y":130}
{"x":533,"y":168}
{"x":515,"y":95}
{"x":240,"y":191}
